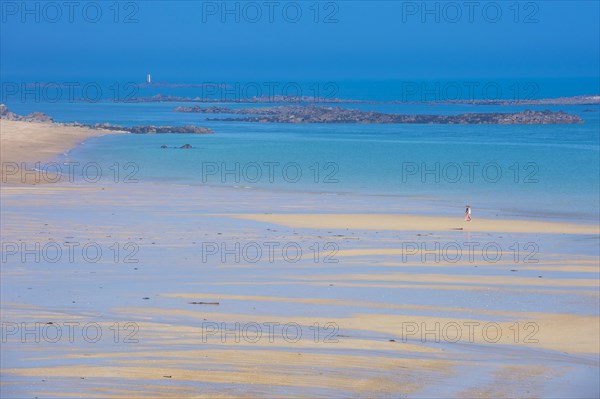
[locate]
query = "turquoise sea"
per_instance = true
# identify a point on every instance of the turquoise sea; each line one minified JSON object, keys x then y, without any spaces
{"x":548,"y":171}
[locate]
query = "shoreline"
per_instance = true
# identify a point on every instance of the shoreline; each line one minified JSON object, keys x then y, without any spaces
{"x":58,"y":140}
{"x":33,"y":142}
{"x":583,"y":99}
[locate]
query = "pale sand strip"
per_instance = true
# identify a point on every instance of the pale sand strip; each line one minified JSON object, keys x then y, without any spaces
{"x":557,"y":332}
{"x":376,"y":252}
{"x":392,"y":265}
{"x":417,"y":223}
{"x":32,"y":142}
{"x":417,"y":286}
{"x":338,"y":372}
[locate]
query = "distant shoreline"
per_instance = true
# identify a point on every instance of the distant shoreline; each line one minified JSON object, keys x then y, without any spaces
{"x":573,"y":100}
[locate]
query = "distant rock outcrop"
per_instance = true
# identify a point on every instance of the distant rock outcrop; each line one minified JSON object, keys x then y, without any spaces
{"x":151,"y":129}
{"x":183,"y":147}
{"x":574,"y":100}
{"x":319,"y":114}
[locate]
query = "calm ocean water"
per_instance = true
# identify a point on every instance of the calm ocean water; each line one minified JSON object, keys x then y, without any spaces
{"x":550,"y":171}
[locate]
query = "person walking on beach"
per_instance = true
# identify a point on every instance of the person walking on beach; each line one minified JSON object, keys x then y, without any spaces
{"x":468,"y":214}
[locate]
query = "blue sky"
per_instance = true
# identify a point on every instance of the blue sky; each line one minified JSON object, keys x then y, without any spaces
{"x":196,"y":41}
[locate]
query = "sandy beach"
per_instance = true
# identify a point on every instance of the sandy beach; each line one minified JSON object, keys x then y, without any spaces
{"x":167,"y":291}
{"x":30,"y":143}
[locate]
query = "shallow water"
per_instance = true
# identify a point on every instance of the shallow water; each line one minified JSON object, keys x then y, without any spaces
{"x":547,"y":171}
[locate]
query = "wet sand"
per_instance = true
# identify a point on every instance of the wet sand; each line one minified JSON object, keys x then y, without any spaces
{"x":420,"y":223}
{"x":369,"y":307}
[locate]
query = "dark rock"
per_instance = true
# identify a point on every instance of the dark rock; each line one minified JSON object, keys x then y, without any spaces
{"x":147,"y":129}
{"x":168,"y":129}
{"x":320,"y":114}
